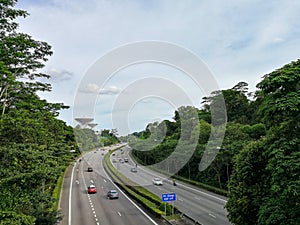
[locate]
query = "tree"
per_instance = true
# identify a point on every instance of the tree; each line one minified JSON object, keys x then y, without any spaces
{"x":21,"y":57}
{"x":8,"y":218}
{"x":279,"y":93}
{"x":247,"y":185}
{"x":236,"y":102}
{"x":265,"y":187}
{"x":35,"y":145}
{"x":281,"y":204}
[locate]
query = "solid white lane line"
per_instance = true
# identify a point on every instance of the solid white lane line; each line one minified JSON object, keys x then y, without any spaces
{"x":70,"y":194}
{"x":145,"y":214}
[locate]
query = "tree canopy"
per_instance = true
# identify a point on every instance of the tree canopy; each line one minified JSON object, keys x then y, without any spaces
{"x":35,"y":145}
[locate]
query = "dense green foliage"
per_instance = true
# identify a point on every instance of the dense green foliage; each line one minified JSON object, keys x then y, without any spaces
{"x":265,"y":185}
{"x":259,"y":160}
{"x":108,"y":137}
{"x":237,"y":136}
{"x":35,"y":145}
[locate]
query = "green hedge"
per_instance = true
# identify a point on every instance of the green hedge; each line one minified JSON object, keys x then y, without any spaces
{"x":57,"y":191}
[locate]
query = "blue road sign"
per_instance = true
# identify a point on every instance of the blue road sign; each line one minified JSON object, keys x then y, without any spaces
{"x":168,"y":197}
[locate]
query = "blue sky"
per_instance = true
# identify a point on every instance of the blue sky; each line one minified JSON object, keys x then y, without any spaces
{"x":237,"y":40}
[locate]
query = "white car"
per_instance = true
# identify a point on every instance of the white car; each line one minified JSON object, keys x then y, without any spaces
{"x":157,"y":181}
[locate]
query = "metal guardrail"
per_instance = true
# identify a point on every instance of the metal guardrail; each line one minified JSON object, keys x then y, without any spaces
{"x":193,"y":221}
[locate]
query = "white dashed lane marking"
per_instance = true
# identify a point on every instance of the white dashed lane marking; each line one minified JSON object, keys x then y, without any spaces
{"x":213,"y":216}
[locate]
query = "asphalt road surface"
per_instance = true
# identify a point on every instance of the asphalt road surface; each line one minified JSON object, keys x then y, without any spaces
{"x":96,"y":209}
{"x":205,"y":207}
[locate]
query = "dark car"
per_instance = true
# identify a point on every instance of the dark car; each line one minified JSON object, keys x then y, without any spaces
{"x":90,"y":169}
{"x":92,"y":189}
{"x":112,"y":194}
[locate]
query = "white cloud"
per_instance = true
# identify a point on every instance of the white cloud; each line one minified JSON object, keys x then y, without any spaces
{"x":94,"y":88}
{"x":59,"y":74}
{"x":112,"y":90}
{"x":238,"y":40}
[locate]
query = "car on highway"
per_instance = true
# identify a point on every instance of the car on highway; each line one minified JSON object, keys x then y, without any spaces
{"x":90,"y":169}
{"x":112,"y":194}
{"x":133,"y":170}
{"x":125,"y":159}
{"x":157,"y":181}
{"x":92,"y":189}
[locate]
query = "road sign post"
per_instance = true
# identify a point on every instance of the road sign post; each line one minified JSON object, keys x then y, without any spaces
{"x":169,"y":197}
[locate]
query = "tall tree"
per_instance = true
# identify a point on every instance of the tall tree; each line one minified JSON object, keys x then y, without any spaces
{"x":34,"y":143}
{"x":279,"y":93}
{"x":265,"y":186}
{"x":21,"y":57}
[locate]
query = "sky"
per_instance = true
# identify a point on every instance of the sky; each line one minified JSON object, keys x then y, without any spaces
{"x":128,"y":63}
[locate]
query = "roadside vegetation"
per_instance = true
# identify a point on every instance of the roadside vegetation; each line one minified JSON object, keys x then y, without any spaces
{"x":258,"y":163}
{"x":36,"y":147}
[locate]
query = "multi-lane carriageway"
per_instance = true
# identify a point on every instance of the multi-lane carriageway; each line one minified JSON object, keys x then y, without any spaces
{"x":205,"y":207}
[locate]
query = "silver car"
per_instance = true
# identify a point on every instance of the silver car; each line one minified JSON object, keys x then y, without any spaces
{"x":112,"y":194}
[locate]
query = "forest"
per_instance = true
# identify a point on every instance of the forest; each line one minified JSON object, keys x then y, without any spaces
{"x":258,"y":163}
{"x":35,"y":145}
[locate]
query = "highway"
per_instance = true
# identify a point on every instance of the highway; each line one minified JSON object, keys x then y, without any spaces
{"x":205,"y":207}
{"x":96,"y":209}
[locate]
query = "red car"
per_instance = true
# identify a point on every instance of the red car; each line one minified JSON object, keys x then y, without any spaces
{"x":92,"y":189}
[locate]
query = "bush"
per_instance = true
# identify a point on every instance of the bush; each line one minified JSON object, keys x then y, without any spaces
{"x":165,"y":207}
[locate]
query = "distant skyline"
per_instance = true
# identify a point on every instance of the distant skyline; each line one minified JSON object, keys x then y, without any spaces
{"x":237,"y":40}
